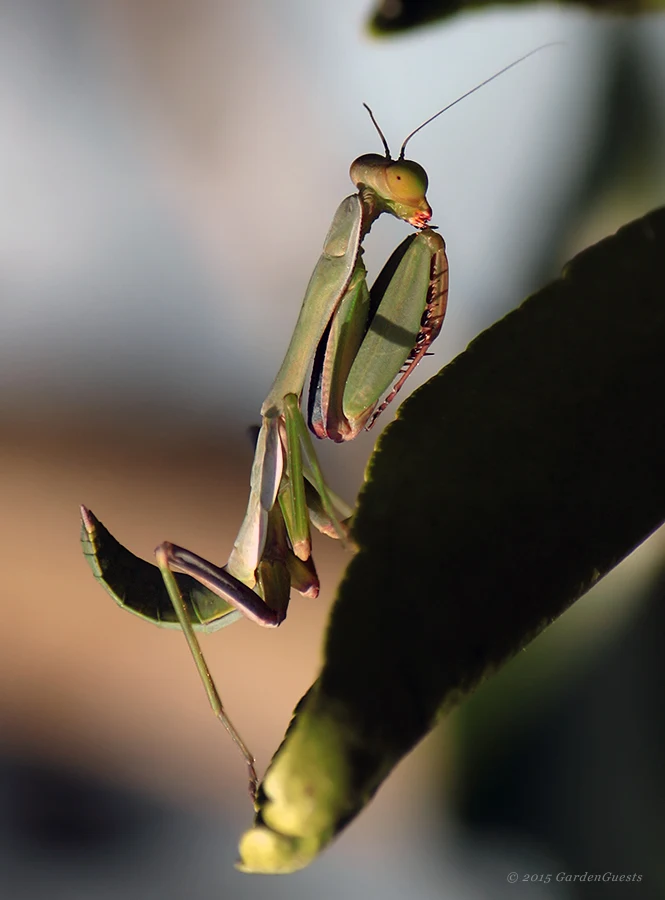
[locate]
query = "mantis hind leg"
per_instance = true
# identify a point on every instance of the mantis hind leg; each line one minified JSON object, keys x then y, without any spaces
{"x":274,"y":579}
{"x":165,"y":559}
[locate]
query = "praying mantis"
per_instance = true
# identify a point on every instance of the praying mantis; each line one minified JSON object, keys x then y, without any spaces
{"x":356,"y":343}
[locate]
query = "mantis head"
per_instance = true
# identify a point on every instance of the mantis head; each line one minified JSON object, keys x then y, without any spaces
{"x":398,"y":186}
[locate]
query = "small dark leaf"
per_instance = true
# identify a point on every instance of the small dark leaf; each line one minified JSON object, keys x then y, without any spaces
{"x":394,"y":16}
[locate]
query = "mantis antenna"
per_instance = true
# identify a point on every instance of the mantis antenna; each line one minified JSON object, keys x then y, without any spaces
{"x":468,"y":94}
{"x":381,"y":135}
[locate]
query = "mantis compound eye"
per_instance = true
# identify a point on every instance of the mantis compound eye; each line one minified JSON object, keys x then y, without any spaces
{"x":406,"y":180}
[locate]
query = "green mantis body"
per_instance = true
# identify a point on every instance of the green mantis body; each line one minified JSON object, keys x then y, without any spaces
{"x":357,"y":344}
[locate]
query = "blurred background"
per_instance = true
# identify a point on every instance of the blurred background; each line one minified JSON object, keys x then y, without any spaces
{"x":169,"y":171}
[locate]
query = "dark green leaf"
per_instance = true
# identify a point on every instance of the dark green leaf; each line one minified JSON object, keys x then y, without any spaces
{"x":506,"y":487}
